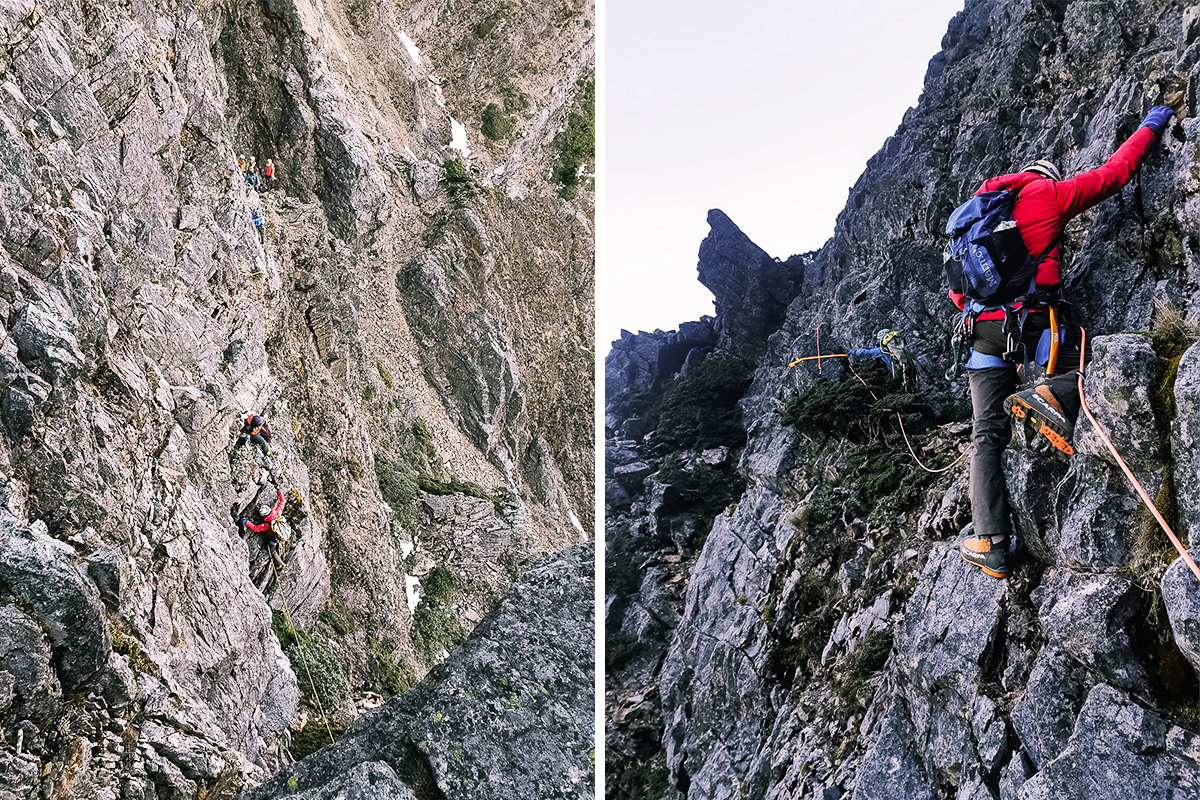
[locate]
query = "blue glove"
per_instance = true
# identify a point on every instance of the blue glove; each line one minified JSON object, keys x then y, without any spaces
{"x":1157,"y":119}
{"x":242,"y":521}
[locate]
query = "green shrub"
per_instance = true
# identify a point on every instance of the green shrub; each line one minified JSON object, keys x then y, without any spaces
{"x":397,"y":482}
{"x":316,"y":666}
{"x":703,"y":488}
{"x":434,"y":629}
{"x":495,"y":126}
{"x":395,"y":676}
{"x":384,"y":374}
{"x":699,"y":409}
{"x":419,"y":470}
{"x":460,"y":184}
{"x":816,"y":615}
{"x":827,"y":406}
{"x":439,"y":583}
{"x":314,"y":735}
{"x":338,"y":618}
{"x":515,"y":100}
{"x":355,"y":469}
{"x":576,"y":144}
{"x":867,"y":659}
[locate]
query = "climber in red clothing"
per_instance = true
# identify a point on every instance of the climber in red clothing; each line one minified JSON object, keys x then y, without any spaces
{"x":268,"y":515}
{"x":1044,"y":206}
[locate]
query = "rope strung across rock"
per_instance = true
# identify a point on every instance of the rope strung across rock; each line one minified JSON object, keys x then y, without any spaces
{"x":904,"y":433}
{"x":1183,"y":553}
{"x":818,"y":358}
{"x":287,"y":615}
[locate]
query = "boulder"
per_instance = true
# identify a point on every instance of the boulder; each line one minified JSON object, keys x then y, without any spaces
{"x":1181,"y":596}
{"x":1119,"y":379}
{"x":1118,"y":750}
{"x":1090,"y":618}
{"x":511,"y":709}
{"x":47,"y":574}
{"x":1185,"y":438}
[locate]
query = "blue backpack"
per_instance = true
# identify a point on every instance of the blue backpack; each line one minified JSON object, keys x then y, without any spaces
{"x":987,"y":259}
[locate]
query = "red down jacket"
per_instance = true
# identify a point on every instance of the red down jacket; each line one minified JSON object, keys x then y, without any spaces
{"x":1044,"y":207}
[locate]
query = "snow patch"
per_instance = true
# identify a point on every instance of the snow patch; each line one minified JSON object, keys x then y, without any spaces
{"x":411,"y":586}
{"x":411,"y":46}
{"x":406,"y":548}
{"x":458,"y":137}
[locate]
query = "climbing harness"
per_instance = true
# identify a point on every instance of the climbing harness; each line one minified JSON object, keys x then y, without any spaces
{"x":1183,"y":553}
{"x":287,"y":615}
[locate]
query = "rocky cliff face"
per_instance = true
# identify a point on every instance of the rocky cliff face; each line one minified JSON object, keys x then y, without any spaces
{"x":432,"y":424}
{"x":815,"y":634}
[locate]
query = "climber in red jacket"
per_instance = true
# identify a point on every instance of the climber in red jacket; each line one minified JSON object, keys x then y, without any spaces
{"x":269,"y":515}
{"x":1044,"y":206}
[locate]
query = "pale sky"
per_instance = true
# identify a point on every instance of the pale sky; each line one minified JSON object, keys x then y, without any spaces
{"x":766,"y":109}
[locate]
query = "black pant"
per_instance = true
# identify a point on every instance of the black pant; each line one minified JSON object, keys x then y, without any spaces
{"x":990,"y":429}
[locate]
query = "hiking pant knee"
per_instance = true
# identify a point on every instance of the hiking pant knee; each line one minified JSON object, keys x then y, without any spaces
{"x":261,"y":442}
{"x":990,"y":433}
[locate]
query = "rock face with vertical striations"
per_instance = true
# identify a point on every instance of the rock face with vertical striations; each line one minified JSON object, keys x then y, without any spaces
{"x":815,"y":633}
{"x":150,"y":642}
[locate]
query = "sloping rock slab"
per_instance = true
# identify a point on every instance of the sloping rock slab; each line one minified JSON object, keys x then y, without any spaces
{"x":1120,"y":750}
{"x":508,"y":715}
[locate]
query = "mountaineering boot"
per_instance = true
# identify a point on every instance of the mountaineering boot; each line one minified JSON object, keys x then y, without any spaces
{"x":989,"y":553}
{"x":1041,"y":408}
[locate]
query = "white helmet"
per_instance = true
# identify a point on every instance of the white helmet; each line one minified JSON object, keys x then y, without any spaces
{"x":264,"y":510}
{"x":1044,"y":168}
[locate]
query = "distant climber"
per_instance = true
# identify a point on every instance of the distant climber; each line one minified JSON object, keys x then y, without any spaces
{"x":269,"y":174}
{"x":241,"y":162}
{"x":256,"y":216}
{"x":256,"y":430}
{"x":1001,"y":336}
{"x":892,"y":351}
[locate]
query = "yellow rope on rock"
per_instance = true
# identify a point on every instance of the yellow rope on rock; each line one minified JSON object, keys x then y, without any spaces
{"x":287,"y":615}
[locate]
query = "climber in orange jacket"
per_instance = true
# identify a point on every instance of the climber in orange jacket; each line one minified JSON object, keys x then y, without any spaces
{"x":256,"y":430}
{"x":1044,"y":206}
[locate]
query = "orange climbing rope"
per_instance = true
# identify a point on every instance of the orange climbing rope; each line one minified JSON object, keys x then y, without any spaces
{"x":904,"y":433}
{"x":1183,"y":553}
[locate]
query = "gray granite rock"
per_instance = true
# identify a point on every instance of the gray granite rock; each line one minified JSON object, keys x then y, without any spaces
{"x":1181,"y":597}
{"x":1119,"y":749}
{"x":1044,"y":717}
{"x":1185,"y":438}
{"x":1119,"y":379}
{"x":508,"y":715}
{"x":46,"y":574}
